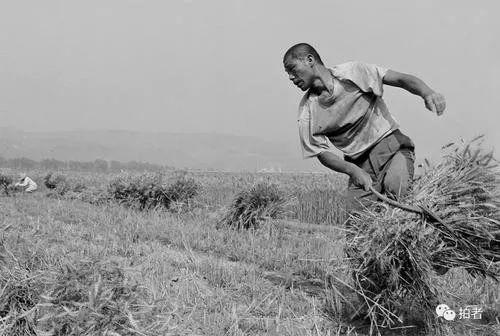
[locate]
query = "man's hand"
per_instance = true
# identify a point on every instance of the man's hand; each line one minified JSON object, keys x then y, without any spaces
{"x":360,"y":178}
{"x":435,"y":102}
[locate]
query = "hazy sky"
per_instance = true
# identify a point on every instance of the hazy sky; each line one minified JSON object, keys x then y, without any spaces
{"x":216,"y":66}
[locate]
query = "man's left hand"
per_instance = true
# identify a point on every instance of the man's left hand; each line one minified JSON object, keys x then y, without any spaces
{"x":435,"y":102}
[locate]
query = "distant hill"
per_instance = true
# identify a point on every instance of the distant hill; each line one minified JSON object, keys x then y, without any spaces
{"x":195,"y":151}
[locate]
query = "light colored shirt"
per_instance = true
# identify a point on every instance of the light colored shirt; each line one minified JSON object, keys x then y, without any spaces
{"x":27,"y":182}
{"x":352,"y":119}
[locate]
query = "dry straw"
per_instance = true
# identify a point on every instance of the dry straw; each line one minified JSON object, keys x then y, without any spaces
{"x":5,"y":182}
{"x":253,"y":205}
{"x":152,"y":191}
{"x":395,"y":254}
{"x":86,"y":298}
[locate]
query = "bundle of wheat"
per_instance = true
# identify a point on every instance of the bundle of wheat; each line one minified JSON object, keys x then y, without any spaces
{"x":149,"y":191}
{"x":52,"y":181}
{"x":252,"y":205}
{"x":60,"y":185}
{"x":396,"y":253}
{"x":5,"y":182}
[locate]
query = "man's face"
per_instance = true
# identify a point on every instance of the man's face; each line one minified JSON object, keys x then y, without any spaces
{"x":300,"y":72}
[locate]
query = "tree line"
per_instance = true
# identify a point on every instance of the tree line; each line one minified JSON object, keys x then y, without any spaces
{"x":98,"y":165}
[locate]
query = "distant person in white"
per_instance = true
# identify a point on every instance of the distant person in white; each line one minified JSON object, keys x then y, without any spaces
{"x":26,"y":181}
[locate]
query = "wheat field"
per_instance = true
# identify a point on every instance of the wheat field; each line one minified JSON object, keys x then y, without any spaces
{"x":73,"y":267}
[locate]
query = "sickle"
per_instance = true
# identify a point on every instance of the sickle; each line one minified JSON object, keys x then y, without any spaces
{"x":415,"y":209}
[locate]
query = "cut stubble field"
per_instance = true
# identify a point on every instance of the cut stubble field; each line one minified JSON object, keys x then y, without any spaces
{"x":69,"y":266}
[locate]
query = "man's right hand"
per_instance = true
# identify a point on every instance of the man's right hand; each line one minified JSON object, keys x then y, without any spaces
{"x":360,"y":178}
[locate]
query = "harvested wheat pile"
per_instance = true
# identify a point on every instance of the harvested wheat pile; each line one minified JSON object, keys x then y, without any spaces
{"x":151,"y":191}
{"x":396,"y":253}
{"x":252,"y":205}
{"x":5,"y":182}
{"x":60,"y":185}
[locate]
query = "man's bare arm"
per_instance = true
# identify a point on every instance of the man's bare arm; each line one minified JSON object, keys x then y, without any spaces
{"x":21,"y":184}
{"x":434,"y":101}
{"x":358,"y":175}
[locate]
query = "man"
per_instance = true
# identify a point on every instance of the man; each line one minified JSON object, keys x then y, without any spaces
{"x":26,"y":181}
{"x":343,"y":108}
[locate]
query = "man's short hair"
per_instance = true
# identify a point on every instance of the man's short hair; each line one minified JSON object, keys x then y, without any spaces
{"x":300,"y":51}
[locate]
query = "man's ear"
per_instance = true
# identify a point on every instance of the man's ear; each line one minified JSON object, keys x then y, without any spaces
{"x":310,"y":60}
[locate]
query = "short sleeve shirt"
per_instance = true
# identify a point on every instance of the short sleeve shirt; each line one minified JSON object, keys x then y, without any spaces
{"x":352,"y":119}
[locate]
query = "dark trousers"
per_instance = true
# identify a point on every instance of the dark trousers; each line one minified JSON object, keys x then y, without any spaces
{"x":390,"y":164}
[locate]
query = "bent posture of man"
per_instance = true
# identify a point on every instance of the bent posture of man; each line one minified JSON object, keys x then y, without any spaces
{"x":343,"y":108}
{"x":26,"y":181}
